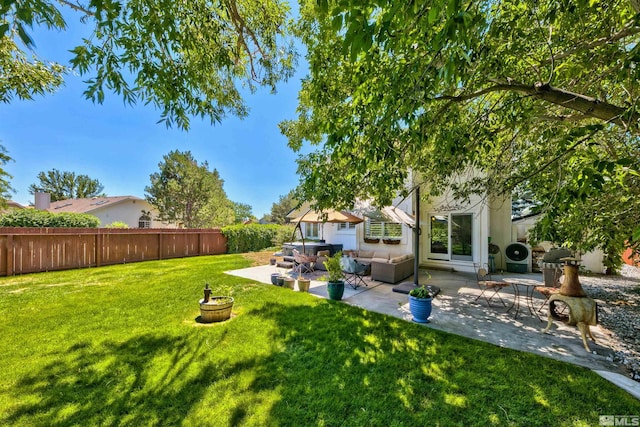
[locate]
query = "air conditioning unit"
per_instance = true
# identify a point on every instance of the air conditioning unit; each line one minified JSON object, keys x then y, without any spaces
{"x":518,"y":258}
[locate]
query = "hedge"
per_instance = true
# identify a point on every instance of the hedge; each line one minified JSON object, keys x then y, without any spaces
{"x":255,"y":237}
{"x":38,"y":218}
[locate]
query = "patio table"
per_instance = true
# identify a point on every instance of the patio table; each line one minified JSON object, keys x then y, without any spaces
{"x":527,"y":285}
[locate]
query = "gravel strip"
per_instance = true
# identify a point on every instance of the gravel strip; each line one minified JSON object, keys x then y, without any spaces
{"x":618,"y":299}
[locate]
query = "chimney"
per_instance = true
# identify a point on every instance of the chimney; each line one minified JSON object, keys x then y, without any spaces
{"x":43,"y":200}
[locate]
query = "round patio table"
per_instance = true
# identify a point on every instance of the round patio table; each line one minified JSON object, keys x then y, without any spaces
{"x":520,"y":284}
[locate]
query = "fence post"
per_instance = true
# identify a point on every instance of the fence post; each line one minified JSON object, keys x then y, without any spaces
{"x":160,"y":245}
{"x":99,"y":241}
{"x":10,"y":271}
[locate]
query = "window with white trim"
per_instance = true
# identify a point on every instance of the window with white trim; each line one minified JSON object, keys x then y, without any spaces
{"x":375,"y":229}
{"x":144,"y":221}
{"x":311,"y":230}
{"x":344,"y":226}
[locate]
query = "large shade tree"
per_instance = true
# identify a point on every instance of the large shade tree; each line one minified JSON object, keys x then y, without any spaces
{"x":62,"y":185}
{"x":535,"y":94}
{"x":282,"y":207}
{"x":242,"y":212}
{"x":184,"y":57}
{"x":188,"y":193}
{"x":5,"y":177}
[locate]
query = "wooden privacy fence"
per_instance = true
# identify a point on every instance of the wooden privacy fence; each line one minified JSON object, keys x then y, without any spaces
{"x":32,"y":250}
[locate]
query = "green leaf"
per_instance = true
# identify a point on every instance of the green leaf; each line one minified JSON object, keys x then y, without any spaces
{"x":336,"y":23}
{"x":323,"y":6}
{"x":26,"y":39}
{"x":433,"y":15}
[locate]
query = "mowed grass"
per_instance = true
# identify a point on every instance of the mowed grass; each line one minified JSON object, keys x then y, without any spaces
{"x":120,"y":346}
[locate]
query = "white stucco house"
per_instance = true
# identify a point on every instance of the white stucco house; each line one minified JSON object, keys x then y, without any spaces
{"x":131,"y":210}
{"x":453,"y":236}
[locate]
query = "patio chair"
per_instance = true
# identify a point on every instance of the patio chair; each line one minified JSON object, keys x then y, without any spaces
{"x":547,"y":291}
{"x":301,"y":263}
{"x":353,"y":272}
{"x":488,"y":288}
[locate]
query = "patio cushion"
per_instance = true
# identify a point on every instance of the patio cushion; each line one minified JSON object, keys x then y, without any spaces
{"x":365,"y":254}
{"x":379,"y":260}
{"x":397,"y":259}
{"x":377,"y":254}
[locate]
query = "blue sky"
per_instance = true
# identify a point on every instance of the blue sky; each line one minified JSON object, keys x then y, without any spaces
{"x":122,"y":145}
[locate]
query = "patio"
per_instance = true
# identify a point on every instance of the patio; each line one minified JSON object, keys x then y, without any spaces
{"x":456,"y":312}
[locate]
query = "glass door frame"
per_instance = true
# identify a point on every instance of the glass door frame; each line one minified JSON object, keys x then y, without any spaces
{"x":449,"y":255}
{"x":443,"y":256}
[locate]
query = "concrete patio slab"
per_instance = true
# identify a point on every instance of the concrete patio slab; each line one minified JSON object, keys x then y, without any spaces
{"x":456,"y":310}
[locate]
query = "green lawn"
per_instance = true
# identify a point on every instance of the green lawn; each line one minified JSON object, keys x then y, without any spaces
{"x":120,"y":346}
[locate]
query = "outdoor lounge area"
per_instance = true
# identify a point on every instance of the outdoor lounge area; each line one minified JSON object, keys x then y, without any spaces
{"x":459,"y":310}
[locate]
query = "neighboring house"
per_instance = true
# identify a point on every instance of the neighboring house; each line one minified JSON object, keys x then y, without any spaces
{"x":128,"y":209}
{"x":12,"y":205}
{"x":453,"y":235}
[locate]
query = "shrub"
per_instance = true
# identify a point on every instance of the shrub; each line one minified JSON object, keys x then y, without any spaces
{"x":117,"y":224}
{"x":37,"y":218}
{"x":421,"y":292}
{"x":333,"y":264}
{"x":255,"y":237}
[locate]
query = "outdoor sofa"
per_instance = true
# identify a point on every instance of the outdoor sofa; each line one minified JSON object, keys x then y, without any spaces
{"x":388,"y":268}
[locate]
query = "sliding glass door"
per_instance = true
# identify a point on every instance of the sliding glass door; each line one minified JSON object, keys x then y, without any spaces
{"x":439,"y":237}
{"x":451,"y":237}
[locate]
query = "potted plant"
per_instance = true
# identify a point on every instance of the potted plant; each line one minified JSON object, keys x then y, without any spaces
{"x":289,"y":282}
{"x":371,"y":240}
{"x":335,"y":285}
{"x":303,"y":284}
{"x":420,"y":299}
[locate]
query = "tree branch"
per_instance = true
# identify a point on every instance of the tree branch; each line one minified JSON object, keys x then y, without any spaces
{"x":587,"y":105}
{"x":565,"y":118}
{"x":77,"y":7}
{"x":242,"y":28}
{"x":629,"y":29}
{"x":554,"y":159}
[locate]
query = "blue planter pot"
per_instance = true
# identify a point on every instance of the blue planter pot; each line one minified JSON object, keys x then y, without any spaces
{"x":335,"y":290}
{"x":420,"y":309}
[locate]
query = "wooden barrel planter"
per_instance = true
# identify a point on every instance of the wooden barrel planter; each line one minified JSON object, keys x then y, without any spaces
{"x":217,"y":309}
